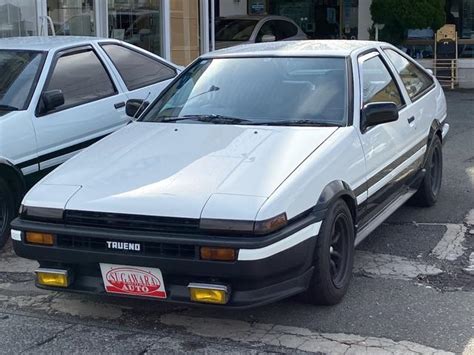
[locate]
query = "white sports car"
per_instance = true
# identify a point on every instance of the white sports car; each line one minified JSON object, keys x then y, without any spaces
{"x":250,"y":179}
{"x":59,"y":95}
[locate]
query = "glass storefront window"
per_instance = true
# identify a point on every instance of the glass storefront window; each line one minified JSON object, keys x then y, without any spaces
{"x":137,"y":22}
{"x":72,"y":17}
{"x":185,"y":29}
{"x":18,"y":18}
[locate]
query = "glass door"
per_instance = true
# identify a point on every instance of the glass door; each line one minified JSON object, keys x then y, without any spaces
{"x":137,"y":22}
{"x":18,"y":18}
{"x":71,"y":17}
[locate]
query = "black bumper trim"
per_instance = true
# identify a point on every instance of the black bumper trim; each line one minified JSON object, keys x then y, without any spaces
{"x":179,"y":294}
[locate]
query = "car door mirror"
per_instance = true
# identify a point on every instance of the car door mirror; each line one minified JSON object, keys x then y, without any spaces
{"x":135,"y":107}
{"x":51,"y":100}
{"x":377,"y":113}
{"x":268,"y":38}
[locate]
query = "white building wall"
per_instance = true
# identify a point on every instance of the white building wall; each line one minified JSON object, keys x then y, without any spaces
{"x":365,"y":19}
{"x":232,"y":7}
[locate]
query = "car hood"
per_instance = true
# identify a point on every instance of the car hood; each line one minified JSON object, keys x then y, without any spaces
{"x":172,"y":169}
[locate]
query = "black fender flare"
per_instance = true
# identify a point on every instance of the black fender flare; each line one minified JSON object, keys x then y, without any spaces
{"x":8,"y":168}
{"x":333,"y":191}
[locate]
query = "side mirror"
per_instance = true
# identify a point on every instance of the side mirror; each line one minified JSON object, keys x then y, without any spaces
{"x":268,"y":38}
{"x":430,"y":71}
{"x":51,"y":99}
{"x":377,"y":113}
{"x":135,"y":107}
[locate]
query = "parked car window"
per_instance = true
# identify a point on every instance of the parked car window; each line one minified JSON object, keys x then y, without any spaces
{"x":260,"y":90}
{"x":234,"y":30}
{"x":378,"y":83}
{"x":82,"y":78}
{"x":415,"y":80}
{"x":18,"y":73}
{"x":137,"y":70}
{"x":268,"y":28}
{"x":285,"y":29}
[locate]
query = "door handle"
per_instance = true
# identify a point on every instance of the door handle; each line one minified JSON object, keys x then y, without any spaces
{"x":119,"y":105}
{"x":411,"y":119}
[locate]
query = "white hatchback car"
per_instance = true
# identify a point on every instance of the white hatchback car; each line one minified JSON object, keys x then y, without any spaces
{"x":58,"y":95}
{"x":250,"y":179}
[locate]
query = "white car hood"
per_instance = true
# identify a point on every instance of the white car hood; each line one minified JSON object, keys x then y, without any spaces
{"x":171,"y":169}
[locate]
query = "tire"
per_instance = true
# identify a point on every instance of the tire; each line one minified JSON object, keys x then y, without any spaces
{"x":428,"y":192}
{"x":333,"y":257}
{"x":7,"y":212}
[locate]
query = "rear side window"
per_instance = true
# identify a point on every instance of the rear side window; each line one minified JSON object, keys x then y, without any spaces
{"x":81,"y":77}
{"x":415,"y":80}
{"x":378,"y":84}
{"x":137,"y":70}
{"x":285,"y":29}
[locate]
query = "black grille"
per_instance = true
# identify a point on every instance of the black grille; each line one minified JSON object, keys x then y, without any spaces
{"x":167,"y":250}
{"x":132,"y":222}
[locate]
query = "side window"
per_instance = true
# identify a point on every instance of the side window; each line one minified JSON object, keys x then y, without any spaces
{"x":137,"y":70}
{"x":378,"y":84}
{"x":81,"y":77}
{"x":268,"y":28}
{"x":415,"y":80}
{"x":285,"y":29}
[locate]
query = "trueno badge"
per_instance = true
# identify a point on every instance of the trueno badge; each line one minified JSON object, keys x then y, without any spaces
{"x":123,"y":246}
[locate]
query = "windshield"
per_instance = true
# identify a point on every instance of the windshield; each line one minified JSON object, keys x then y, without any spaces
{"x":234,"y":30}
{"x":18,"y":71}
{"x":258,"y":91}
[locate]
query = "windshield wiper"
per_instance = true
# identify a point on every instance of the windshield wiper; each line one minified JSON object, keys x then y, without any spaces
{"x":297,"y":123}
{"x":8,"y":108}
{"x":216,"y":119}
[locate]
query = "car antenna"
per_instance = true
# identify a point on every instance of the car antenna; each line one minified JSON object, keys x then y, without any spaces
{"x":140,"y":107}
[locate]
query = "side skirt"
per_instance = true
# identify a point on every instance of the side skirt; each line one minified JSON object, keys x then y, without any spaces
{"x":383,"y":215}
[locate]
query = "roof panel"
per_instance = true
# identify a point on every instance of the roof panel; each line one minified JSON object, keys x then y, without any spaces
{"x":308,"y":47}
{"x":44,"y":43}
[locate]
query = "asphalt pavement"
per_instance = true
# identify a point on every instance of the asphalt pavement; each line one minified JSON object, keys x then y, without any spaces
{"x":412,"y":292}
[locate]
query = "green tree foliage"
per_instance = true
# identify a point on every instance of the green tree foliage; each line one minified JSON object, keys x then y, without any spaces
{"x":401,"y":15}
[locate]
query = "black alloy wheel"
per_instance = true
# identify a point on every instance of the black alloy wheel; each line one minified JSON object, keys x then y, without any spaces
{"x":6,"y":212}
{"x":430,"y":187}
{"x":333,"y":256}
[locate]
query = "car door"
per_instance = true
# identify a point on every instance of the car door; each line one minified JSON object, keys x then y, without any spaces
{"x":389,"y":148}
{"x":143,"y":75}
{"x":93,"y":106}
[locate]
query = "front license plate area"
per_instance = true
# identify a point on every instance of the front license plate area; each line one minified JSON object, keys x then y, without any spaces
{"x":133,"y":280}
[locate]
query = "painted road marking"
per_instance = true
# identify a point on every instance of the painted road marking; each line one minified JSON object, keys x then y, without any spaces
{"x":450,"y":247}
{"x":301,"y":339}
{"x":391,"y":266}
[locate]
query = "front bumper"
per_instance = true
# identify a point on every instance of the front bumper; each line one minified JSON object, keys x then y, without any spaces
{"x":268,"y":268}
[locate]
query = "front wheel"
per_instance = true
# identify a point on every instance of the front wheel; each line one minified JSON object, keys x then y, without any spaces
{"x":333,"y":257}
{"x":7,"y":211}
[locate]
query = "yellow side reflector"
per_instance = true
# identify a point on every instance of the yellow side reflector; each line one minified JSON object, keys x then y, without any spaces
{"x":216,"y":295}
{"x":39,"y":238}
{"x":53,"y":278}
{"x":218,"y":254}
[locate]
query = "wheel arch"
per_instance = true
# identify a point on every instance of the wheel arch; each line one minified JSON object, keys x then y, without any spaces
{"x":335,"y":190}
{"x":13,"y":177}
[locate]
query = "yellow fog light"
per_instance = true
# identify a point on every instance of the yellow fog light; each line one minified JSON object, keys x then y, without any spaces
{"x":39,"y":238}
{"x":52,"y":277}
{"x":205,"y":293}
